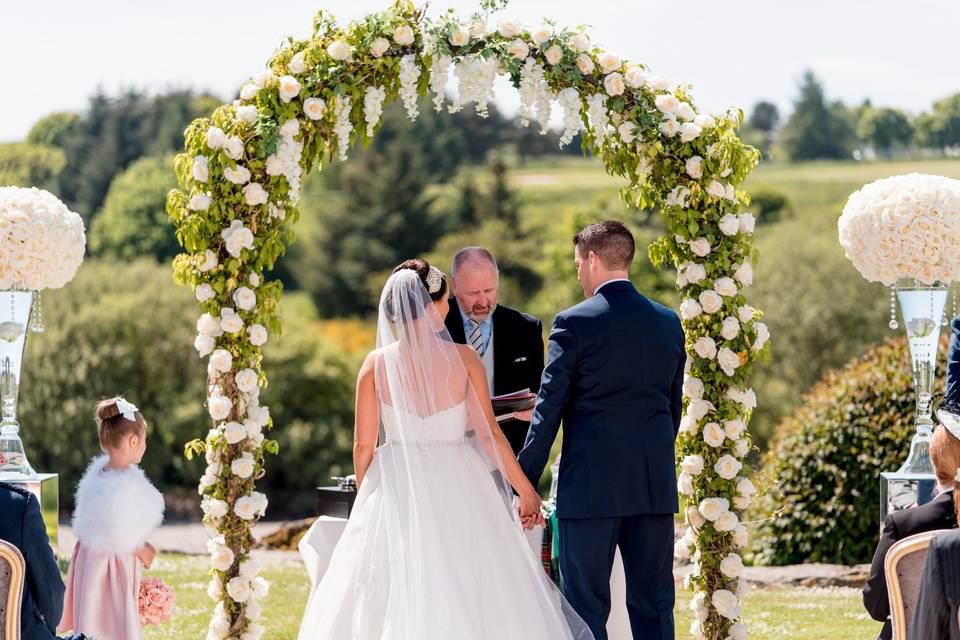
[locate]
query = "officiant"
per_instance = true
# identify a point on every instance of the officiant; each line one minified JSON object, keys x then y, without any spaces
{"x":509,"y":343}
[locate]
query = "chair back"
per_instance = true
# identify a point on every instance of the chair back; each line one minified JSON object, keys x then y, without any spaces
{"x":903,"y":568}
{"x":12,"y":572}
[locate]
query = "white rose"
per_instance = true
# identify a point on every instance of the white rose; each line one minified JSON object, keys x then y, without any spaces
{"x":289,"y":88}
{"x":554,"y":54}
{"x":741,"y":502}
{"x":694,"y":518}
{"x":230,"y":322}
{"x":234,"y":432}
{"x":260,"y":587}
{"x":297,"y":64}
{"x":248,"y":92}
{"x":746,"y":488}
{"x":685,"y":112}
{"x":685,"y":483}
{"x":585,"y":64}
{"x":340,"y":50}
{"x":254,"y":279}
{"x":250,"y":568}
{"x":245,"y":508}
{"x":289,"y":128}
{"x":694,"y":168}
{"x":740,"y":536}
{"x":314,"y":108}
{"x":254,"y":631}
{"x":695,"y":272}
{"x":705,"y":347}
{"x":275,"y":165}
{"x":744,"y":274}
{"x":204,"y":292}
{"x":763,"y":334}
{"x":727,"y":521}
{"x":725,"y":287}
{"x":728,"y":360}
{"x":712,"y":508}
{"x":541,"y":34}
{"x":233,"y":148}
{"x":716,"y":189}
{"x":667,"y":103}
{"x":239,"y":589}
{"x":247,"y":114}
{"x":215,"y":508}
{"x":627,"y":131}
{"x":692,"y":464}
{"x":519,"y":49}
{"x":215,"y":590}
{"x":237,"y":175}
{"x":253,"y":428}
{"x":255,"y":194}
{"x":692,"y":387}
{"x":247,"y":380}
{"x":745,"y":313}
{"x":260,"y":501}
{"x":729,"y":224}
{"x":727,"y":467}
{"x":379,"y":47}
{"x":713,"y":434}
{"x":580,"y":42}
{"x":245,"y":298}
{"x":705,"y":120}
{"x":221,"y":361}
{"x":734,"y":428}
{"x":221,"y":556}
{"x":209,"y":261}
{"x":614,"y":84}
{"x":200,"y":170}
{"x":689,"y":132}
{"x":199,"y":202}
{"x":257,"y":334}
{"x":728,"y":191}
{"x":741,"y":447}
{"x":732,"y":565}
{"x":726,"y":604}
{"x":747,"y":222}
{"x":700,"y":247}
{"x":243,"y":466}
{"x":403,"y":35}
{"x":710,"y":301}
{"x":609,"y":62}
{"x":699,"y":408}
{"x":207,"y":325}
{"x":690,"y":309}
{"x":635,"y":77}
{"x":738,"y":631}
{"x":510,"y":28}
{"x":681,"y":549}
{"x":216,"y":138}
{"x":670,"y":127}
{"x":730,"y":328}
{"x":459,"y":37}
{"x":204,"y":345}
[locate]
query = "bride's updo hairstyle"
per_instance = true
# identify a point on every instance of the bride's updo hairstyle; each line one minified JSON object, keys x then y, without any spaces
{"x":423,"y":270}
{"x":113,"y":427}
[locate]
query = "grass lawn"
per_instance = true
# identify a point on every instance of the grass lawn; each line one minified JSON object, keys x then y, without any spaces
{"x":811,"y":614}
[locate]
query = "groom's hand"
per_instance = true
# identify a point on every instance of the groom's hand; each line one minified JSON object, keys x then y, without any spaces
{"x":524,"y":416}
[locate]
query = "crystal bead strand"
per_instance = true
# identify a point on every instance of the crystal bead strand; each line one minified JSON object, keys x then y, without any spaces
{"x":37,"y":314}
{"x":893,"y":308}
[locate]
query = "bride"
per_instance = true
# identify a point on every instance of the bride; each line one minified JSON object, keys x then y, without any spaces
{"x":434,"y":548}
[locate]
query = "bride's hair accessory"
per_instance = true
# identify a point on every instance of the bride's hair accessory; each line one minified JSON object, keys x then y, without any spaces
{"x":127,"y":409}
{"x":434,"y":280}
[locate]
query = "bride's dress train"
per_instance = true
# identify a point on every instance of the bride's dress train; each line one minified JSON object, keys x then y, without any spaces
{"x":469,"y":573}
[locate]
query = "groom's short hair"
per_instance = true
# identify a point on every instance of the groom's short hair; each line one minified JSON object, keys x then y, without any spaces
{"x":611,"y":240}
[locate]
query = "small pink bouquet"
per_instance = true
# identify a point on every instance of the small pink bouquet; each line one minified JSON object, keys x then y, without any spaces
{"x":156,"y":601}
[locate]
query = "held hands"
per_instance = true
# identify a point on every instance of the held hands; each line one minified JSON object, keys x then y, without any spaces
{"x":146,"y":555}
{"x":529,"y":510}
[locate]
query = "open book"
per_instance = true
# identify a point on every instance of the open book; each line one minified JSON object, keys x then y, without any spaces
{"x":504,"y":405}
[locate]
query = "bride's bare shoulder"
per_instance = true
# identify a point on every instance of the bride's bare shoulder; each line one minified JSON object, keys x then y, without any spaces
{"x":469,"y":356}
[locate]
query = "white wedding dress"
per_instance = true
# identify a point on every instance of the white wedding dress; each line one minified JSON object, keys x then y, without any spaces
{"x":433,"y":549}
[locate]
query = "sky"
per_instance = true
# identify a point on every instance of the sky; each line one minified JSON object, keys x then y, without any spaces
{"x":54,"y":54}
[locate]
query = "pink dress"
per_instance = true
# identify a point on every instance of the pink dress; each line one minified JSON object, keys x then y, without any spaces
{"x":115,"y":512}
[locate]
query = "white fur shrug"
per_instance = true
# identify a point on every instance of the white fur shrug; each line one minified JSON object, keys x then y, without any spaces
{"x":115,"y":510}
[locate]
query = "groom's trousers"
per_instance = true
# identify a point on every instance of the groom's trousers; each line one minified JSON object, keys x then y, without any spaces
{"x":587,"y":549}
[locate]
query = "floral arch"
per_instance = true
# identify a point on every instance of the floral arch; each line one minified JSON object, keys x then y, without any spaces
{"x":240,"y":177}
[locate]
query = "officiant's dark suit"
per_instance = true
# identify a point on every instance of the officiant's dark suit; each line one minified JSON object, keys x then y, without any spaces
{"x":517,"y":357}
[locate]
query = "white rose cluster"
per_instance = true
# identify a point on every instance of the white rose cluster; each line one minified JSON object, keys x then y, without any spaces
{"x":41,"y":241}
{"x":904,"y":227}
{"x":475,"y":76}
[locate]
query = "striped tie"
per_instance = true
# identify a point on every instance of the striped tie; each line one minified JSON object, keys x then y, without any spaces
{"x":476,"y":338}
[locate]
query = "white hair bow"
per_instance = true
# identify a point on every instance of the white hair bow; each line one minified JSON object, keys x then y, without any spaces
{"x":127,"y":409}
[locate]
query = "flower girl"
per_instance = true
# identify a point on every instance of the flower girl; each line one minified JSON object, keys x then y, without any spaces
{"x":116,"y":509}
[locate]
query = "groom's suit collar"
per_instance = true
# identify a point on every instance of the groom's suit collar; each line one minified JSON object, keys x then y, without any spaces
{"x":612,"y":286}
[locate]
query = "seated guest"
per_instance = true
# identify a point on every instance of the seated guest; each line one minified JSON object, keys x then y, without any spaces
{"x":936,"y":615}
{"x":22,"y":526}
{"x":939,"y":513}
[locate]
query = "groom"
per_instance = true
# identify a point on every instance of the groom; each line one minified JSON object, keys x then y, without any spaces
{"x":613,"y":376}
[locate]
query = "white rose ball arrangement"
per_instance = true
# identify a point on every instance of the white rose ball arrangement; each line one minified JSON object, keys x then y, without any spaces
{"x":42,"y":243}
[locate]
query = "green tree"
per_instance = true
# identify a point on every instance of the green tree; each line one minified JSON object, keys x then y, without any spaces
{"x":764,"y":117}
{"x":816,"y":129}
{"x":941,"y":127}
{"x":133,"y":221}
{"x":24,"y":164}
{"x":55,"y":129}
{"x":885,"y":129}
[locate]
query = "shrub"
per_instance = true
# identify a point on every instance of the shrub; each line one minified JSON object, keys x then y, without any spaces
{"x":826,"y":458}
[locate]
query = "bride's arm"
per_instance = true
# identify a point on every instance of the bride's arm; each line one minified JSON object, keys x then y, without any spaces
{"x":529,"y":498}
{"x":366,"y":427}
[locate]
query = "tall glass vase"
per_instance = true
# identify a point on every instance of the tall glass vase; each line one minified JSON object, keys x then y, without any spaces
{"x":922,"y":308}
{"x":15,"y":310}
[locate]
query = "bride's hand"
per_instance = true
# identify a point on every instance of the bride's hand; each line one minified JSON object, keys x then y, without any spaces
{"x":530,"y":508}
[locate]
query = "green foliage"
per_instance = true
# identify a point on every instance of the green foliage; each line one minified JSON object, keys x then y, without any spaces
{"x":55,"y":129}
{"x":769,"y":205}
{"x":133,"y":221}
{"x":764,"y":117}
{"x":25,"y":164}
{"x":826,"y":460}
{"x":941,"y":127}
{"x":885,"y":129}
{"x":816,"y":129}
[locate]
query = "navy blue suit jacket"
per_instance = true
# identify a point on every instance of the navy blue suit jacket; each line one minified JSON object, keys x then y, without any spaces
{"x":953,"y":365}
{"x":22,"y":526}
{"x":613,"y":377}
